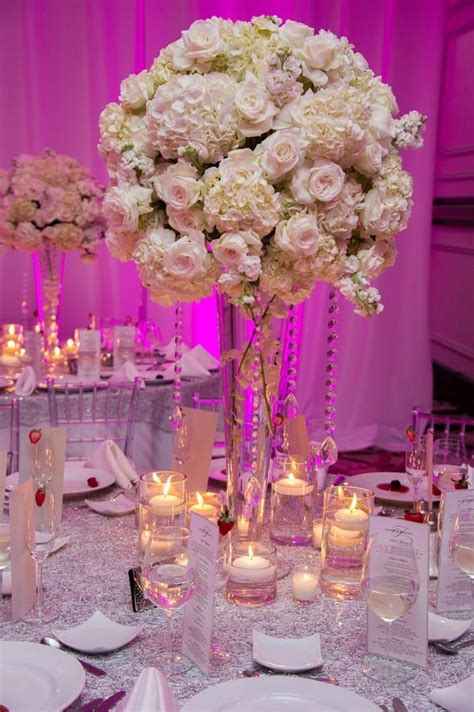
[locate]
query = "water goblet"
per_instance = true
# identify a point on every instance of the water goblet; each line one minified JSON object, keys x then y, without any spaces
{"x":449,"y":457}
{"x":41,"y":533}
{"x":415,"y":466}
{"x":461,"y":545}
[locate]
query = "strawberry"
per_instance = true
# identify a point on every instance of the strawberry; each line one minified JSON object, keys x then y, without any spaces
{"x":35,"y":436}
{"x":92,"y":482}
{"x":414,"y":517}
{"x":279,"y":418}
{"x":40,"y":496}
{"x":436,"y":491}
{"x":462,"y":483}
{"x":225,"y":522}
{"x":411,"y":435}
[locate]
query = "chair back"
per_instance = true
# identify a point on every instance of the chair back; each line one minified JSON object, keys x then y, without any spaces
{"x":10,"y":413}
{"x":443,"y":425}
{"x":93,"y":412}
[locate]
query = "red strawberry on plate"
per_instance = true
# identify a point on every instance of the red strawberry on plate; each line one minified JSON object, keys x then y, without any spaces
{"x":225,"y":522}
{"x":414,"y":517}
{"x":462,"y":483}
{"x":436,"y":491}
{"x":40,"y":496}
{"x":35,"y":436}
{"x":92,"y":482}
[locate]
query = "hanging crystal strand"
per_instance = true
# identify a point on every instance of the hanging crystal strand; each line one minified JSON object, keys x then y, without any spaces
{"x":331,"y":368}
{"x":177,"y":414}
{"x":256,"y":386}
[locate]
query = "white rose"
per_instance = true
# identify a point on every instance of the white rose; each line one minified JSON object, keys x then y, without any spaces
{"x":202,"y":42}
{"x":320,"y":54}
{"x":122,"y":206}
{"x":251,"y":266}
{"x":186,"y":258}
{"x":369,"y":159}
{"x":178,"y":187}
{"x":185,"y":220}
{"x":382,"y":126}
{"x":295,"y":33}
{"x":281,"y":152}
{"x":160,"y":238}
{"x":322,"y":181}
{"x":299,"y":236}
{"x":375,"y":214}
{"x":136,"y":89}
{"x":254,"y":107}
{"x":232,"y":247}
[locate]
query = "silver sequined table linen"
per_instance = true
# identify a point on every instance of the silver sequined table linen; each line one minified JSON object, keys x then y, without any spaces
{"x":90,"y":573}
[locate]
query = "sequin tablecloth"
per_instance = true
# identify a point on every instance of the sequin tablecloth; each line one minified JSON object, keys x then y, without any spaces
{"x":90,"y":573}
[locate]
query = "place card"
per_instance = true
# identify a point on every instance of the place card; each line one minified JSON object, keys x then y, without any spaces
{"x":3,"y":474}
{"x":88,"y":355}
{"x":296,"y":434}
{"x":124,"y":345}
{"x":199,"y":612}
{"x":203,"y":435}
{"x":409,"y":634}
{"x":454,"y":585}
{"x":53,"y":439}
{"x":23,"y":567}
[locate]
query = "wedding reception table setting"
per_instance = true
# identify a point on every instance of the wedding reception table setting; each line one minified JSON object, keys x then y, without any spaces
{"x":174,"y":532}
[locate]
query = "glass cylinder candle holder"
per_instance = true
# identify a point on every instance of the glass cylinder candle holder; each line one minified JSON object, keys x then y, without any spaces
{"x":252,"y":574}
{"x":161,"y":502}
{"x":344,"y":539}
{"x":291,"y":514}
{"x":204,"y":503}
{"x":304,"y":584}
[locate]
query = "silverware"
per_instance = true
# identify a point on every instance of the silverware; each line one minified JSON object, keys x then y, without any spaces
{"x":253,"y":672}
{"x":111,"y":701}
{"x":92,"y":705}
{"x":384,"y":708}
{"x":399,"y":705}
{"x":53,"y":643}
{"x":452,"y":648}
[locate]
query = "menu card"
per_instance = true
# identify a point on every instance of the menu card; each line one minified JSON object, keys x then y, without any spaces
{"x":409,"y":634}
{"x":22,"y":565}
{"x":124,"y":345}
{"x":203,"y":435}
{"x":54,"y":440}
{"x":3,"y":473}
{"x":88,"y":355}
{"x":454,"y":585}
{"x":199,"y":612}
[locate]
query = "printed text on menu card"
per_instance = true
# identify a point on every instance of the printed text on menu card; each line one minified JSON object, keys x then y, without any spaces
{"x":199,"y":612}
{"x":454,"y":592}
{"x":409,"y":634}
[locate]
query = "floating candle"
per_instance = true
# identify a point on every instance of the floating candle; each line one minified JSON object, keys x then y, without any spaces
{"x":166,"y":504}
{"x":292,"y":486}
{"x":202,"y":508}
{"x":255,"y":569}
{"x":351,"y":517}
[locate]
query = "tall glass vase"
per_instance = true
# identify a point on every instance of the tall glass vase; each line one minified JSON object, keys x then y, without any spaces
{"x":49,"y":273}
{"x":250,"y":380}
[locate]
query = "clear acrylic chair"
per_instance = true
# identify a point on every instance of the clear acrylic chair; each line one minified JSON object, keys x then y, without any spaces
{"x":94,"y":412}
{"x":443,"y":425}
{"x":10,"y":415}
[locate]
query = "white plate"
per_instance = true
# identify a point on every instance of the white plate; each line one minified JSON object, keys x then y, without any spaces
{"x":218,"y":471}
{"x":277,"y":694}
{"x":287,"y":654}
{"x":75,"y":479}
{"x":112,"y":507}
{"x":98,"y":634}
{"x":440,"y":628}
{"x":370,"y":480}
{"x":36,"y":677}
{"x":72,"y":381}
{"x":7,"y":575}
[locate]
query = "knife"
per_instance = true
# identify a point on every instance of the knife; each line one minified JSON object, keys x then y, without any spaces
{"x":92,"y":705}
{"x":398,"y":705}
{"x":110,"y":702}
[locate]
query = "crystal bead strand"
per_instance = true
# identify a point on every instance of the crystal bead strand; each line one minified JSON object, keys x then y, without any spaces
{"x":331,"y":368}
{"x":291,"y":403}
{"x":257,"y":386}
{"x":177,"y":414}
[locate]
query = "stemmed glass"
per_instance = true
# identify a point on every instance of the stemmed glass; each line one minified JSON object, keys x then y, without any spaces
{"x":43,"y":463}
{"x":40,"y":541}
{"x":461,"y":545}
{"x":390,"y":582}
{"x":169,"y":581}
{"x":449,"y":456}
{"x":415,"y":466}
{"x":5,"y":547}
{"x":182,"y":440}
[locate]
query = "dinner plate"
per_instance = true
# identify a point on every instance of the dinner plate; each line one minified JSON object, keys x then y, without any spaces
{"x":116,"y":507}
{"x":287,"y":654}
{"x":371,"y":480}
{"x":75,"y":479}
{"x":441,"y":628}
{"x":218,"y":471}
{"x":277,"y":694}
{"x":72,"y":381}
{"x":36,"y":677}
{"x":98,"y":634}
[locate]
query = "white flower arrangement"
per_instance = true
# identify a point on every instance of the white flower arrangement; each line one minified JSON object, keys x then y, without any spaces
{"x":51,"y":199}
{"x":258,"y":157}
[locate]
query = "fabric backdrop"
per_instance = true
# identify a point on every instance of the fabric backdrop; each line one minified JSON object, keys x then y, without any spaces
{"x":61,"y":62}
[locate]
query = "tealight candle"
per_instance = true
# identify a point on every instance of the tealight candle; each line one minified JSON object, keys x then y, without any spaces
{"x":70,"y":349}
{"x":202,"y":508}
{"x":351,"y":518}
{"x":292,"y":486}
{"x":304,"y":584}
{"x":317,"y":533}
{"x":256,"y":569}
{"x":166,"y":504}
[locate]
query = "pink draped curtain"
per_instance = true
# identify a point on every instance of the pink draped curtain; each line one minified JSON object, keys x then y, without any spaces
{"x":61,"y":61}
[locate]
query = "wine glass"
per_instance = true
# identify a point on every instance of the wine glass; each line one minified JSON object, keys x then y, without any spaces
{"x":182,"y":440}
{"x":449,"y":456}
{"x":5,"y":553}
{"x":390,"y":582}
{"x":415,"y":466}
{"x":43,"y":461}
{"x":168,"y":581}
{"x":461,"y":545}
{"x":40,"y":541}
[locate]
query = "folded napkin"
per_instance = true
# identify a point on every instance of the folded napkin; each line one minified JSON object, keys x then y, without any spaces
{"x":189,"y":366}
{"x":126,"y":373}
{"x":27,"y":382}
{"x":169,"y":349}
{"x":456,"y":698}
{"x":204,"y":357}
{"x":110,"y":458}
{"x":151,"y":693}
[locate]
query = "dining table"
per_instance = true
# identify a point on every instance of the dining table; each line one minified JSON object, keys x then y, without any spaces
{"x":90,"y":573}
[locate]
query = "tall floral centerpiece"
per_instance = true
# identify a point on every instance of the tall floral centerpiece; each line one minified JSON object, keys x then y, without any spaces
{"x":259,"y":158}
{"x":50,"y":205}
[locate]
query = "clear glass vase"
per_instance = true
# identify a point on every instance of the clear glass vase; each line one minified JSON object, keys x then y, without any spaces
{"x":49,"y":273}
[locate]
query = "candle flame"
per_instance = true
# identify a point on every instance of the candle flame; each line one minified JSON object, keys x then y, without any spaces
{"x":57,"y":351}
{"x":37,"y":328}
{"x":11,"y":344}
{"x":200,"y":499}
{"x":353,"y":503}
{"x":250,"y":552}
{"x":11,"y":330}
{"x":291,"y":476}
{"x":167,"y":486}
{"x":155,"y":476}
{"x":340,"y":491}
{"x":70,"y":343}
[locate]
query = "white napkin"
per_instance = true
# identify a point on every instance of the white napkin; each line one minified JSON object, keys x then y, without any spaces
{"x":204,"y":357}
{"x":170,"y":348}
{"x":27,"y":382}
{"x":110,"y":458}
{"x":151,"y":693}
{"x":189,"y":366}
{"x":456,"y":698}
{"x":126,"y":373}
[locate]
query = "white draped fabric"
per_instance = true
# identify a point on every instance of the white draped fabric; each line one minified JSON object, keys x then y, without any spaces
{"x":61,"y":61}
